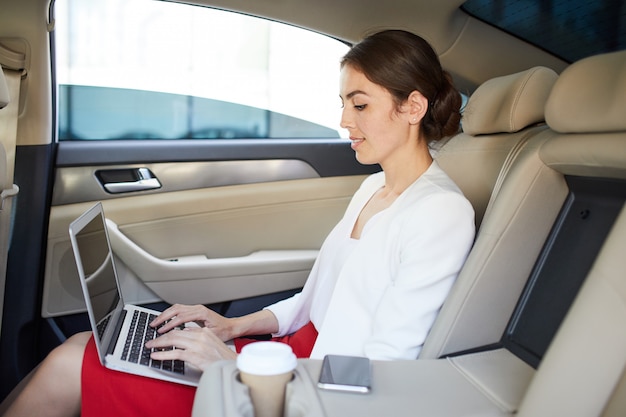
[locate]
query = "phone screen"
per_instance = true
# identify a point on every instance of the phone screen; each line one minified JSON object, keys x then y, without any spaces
{"x":345,"y":373}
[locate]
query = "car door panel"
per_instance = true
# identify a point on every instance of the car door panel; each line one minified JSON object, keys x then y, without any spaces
{"x":205,"y":236}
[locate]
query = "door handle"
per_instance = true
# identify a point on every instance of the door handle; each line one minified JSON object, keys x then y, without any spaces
{"x":127,"y":180}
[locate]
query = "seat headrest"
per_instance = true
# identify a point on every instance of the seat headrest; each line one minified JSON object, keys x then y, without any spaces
{"x":4,"y":91}
{"x":590,"y":96}
{"x":510,"y":103}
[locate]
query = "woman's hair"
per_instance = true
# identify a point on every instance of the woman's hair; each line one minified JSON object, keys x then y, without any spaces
{"x":403,"y":62}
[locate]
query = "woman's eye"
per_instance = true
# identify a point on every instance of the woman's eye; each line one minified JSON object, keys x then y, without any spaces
{"x":360,"y":107}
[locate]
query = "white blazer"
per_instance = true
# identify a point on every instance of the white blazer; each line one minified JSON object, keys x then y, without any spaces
{"x":378,"y":296}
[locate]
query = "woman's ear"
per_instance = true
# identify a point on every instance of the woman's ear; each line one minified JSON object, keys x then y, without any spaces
{"x":417,"y":106}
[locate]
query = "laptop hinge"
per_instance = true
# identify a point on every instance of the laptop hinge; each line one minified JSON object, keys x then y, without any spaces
{"x":116,"y":332}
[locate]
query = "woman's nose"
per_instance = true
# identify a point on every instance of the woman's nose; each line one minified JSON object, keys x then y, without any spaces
{"x":346,"y":122}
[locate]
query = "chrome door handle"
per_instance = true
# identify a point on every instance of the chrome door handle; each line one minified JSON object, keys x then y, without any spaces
{"x":127,"y":180}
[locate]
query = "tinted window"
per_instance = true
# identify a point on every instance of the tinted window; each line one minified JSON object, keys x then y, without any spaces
{"x":570,"y":29}
{"x":138,"y":69}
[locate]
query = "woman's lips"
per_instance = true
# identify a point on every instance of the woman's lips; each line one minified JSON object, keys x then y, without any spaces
{"x":356,"y":142}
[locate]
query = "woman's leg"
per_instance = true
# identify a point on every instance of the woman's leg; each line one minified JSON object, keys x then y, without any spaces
{"x":54,"y":389}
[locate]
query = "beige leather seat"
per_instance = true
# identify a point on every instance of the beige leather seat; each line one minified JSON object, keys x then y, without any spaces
{"x":582,"y":373}
{"x":500,"y":119}
{"x":527,"y":200}
{"x":4,"y":91}
{"x":497,"y":121}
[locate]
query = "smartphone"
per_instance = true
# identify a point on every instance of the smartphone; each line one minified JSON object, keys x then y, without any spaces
{"x":345,"y":373}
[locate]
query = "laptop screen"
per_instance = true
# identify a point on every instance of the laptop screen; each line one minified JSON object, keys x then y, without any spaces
{"x":94,"y":260}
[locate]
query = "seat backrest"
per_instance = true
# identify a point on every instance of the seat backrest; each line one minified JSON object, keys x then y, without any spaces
{"x":497,"y":120}
{"x":582,"y":372}
{"x":499,"y":128}
{"x":4,"y":90}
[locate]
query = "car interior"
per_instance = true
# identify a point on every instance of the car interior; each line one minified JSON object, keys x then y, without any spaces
{"x":533,"y":325}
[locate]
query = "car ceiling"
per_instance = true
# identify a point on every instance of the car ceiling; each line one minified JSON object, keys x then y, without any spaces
{"x":470,"y":49}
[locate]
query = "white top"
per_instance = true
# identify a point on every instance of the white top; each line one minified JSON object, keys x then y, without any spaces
{"x":378,"y":296}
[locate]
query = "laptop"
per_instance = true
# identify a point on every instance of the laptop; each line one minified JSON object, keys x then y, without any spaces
{"x":120,"y":330}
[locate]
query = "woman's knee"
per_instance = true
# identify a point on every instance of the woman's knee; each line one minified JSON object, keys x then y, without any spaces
{"x":78,"y":340}
{"x":67,"y":358}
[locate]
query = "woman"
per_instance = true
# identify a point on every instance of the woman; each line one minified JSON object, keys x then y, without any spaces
{"x":381,"y":274}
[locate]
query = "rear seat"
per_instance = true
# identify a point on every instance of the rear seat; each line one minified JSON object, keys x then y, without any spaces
{"x":579,"y":164}
{"x":583,"y":371}
{"x":500,"y":119}
{"x":527,"y":200}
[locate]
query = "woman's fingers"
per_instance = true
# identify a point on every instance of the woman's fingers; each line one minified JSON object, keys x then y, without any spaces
{"x":178,"y":314}
{"x":199,"y":347}
{"x":169,"y":317}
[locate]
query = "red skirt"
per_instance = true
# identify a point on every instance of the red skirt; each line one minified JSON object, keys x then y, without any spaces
{"x":110,"y":393}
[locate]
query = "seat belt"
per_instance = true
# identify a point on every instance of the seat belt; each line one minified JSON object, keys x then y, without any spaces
{"x":11,"y":79}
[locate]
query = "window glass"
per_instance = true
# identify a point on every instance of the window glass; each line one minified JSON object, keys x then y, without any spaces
{"x":151,"y":69}
{"x":570,"y":29}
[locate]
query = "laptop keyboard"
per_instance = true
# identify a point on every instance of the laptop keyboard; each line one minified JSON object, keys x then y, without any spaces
{"x":102,"y":326}
{"x":134,"y":347}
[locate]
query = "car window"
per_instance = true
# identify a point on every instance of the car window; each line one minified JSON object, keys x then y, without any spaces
{"x":570,"y":29}
{"x":144,"y":69}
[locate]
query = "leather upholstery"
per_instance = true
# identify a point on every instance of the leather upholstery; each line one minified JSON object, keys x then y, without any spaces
{"x":499,"y":118}
{"x":4,"y":91}
{"x":590,"y":96}
{"x":510,"y":103}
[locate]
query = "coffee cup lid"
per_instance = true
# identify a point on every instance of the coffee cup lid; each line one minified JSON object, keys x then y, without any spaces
{"x":266,"y":358}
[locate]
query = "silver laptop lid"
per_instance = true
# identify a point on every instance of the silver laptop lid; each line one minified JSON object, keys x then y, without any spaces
{"x":96,"y":269}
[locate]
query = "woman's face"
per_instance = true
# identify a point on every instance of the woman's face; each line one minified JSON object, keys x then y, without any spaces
{"x":378,"y":130}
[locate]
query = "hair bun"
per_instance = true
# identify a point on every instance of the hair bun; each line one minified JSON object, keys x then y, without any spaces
{"x":444,"y":114}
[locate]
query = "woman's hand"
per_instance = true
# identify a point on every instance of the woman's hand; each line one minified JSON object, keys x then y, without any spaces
{"x":178,"y":314}
{"x":199,"y":347}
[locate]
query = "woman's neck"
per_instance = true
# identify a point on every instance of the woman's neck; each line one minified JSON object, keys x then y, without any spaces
{"x":405,"y":169}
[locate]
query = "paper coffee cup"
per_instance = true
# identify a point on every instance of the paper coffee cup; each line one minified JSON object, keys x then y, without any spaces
{"x":266,"y":368}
